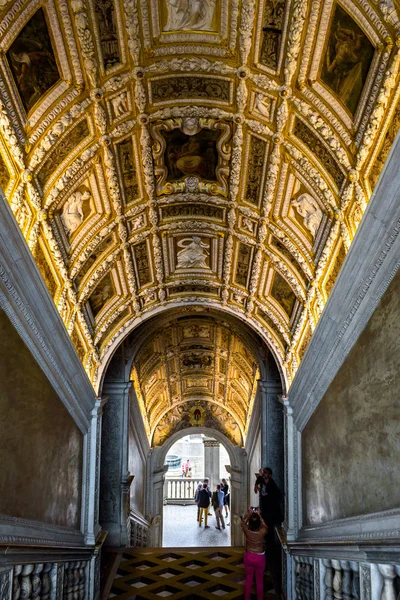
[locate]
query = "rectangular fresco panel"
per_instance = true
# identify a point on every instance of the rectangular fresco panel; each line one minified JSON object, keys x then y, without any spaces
{"x":101,"y":294}
{"x":127,"y":162}
{"x":32,"y":61}
{"x":272,"y":32}
{"x":142,"y":262}
{"x":107,"y":20}
{"x":171,"y":88}
{"x":347,"y":59}
{"x":283,"y":293}
{"x":191,"y":155}
{"x":243,"y":264}
{"x":255,"y":168}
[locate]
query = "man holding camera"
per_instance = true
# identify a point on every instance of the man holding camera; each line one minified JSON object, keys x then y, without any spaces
{"x":271,"y":512}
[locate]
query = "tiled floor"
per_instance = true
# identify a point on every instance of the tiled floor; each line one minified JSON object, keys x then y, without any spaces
{"x":195,"y":574}
{"x":181,"y":529}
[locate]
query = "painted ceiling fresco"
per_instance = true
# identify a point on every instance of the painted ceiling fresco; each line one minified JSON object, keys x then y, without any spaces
{"x":163,"y":153}
{"x":195,"y":372}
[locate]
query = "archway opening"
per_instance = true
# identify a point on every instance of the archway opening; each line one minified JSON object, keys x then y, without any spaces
{"x":192,"y":460}
{"x":176,"y":375}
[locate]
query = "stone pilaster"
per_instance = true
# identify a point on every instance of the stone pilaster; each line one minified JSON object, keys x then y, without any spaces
{"x":211,"y":461}
{"x":114,"y":463}
{"x":272,"y":428}
{"x":292,"y":473}
{"x":92,"y":472}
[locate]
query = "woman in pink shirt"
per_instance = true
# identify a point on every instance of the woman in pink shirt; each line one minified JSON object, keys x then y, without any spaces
{"x":254,"y":529}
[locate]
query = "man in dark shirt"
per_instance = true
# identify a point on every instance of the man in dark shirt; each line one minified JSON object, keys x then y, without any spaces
{"x":204,"y":503}
{"x":270,"y":499}
{"x":271,"y":512}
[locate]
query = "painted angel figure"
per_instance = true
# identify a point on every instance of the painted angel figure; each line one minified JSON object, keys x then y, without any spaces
{"x":193,"y":254}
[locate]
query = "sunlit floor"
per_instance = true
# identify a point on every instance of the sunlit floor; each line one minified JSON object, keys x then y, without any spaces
{"x":181,"y":529}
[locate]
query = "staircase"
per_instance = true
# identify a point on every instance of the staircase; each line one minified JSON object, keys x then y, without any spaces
{"x":186,"y":573}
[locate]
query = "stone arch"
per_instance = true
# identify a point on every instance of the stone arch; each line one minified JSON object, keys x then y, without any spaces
{"x":238,"y":471}
{"x":249,"y":323}
{"x":116,"y":385}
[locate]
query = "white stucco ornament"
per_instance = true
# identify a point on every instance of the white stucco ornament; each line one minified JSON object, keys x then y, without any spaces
{"x":309,"y":209}
{"x":197,"y":14}
{"x":72,"y":213}
{"x":193,"y":254}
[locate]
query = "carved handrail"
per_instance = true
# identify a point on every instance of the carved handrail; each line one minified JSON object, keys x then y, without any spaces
{"x":139,"y":528}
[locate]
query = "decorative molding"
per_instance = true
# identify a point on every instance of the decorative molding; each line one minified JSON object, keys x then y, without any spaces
{"x":371,"y":264}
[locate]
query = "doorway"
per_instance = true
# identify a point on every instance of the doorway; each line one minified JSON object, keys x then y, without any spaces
{"x":189,"y":460}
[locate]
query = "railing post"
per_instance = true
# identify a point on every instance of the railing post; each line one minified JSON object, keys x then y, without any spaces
{"x":355,"y":580}
{"x":337,"y":580}
{"x":388,"y":573}
{"x":346,"y":583}
{"x":328,"y":579}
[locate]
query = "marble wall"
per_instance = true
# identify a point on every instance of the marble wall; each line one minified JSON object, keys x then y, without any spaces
{"x":40,"y":445}
{"x":351,"y":444}
{"x":254,"y":467}
{"x":137,"y":466}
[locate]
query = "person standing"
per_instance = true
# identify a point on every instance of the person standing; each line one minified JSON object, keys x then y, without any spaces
{"x":183,"y":470}
{"x":220,"y":507}
{"x":227,"y":496}
{"x":196,"y":496}
{"x":255,"y":530}
{"x":204,"y":503}
{"x":271,"y":512}
{"x":187,"y":467}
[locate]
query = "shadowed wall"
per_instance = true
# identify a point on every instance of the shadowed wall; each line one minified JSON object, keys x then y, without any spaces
{"x":351,"y":444}
{"x":137,"y":468}
{"x":40,"y":445}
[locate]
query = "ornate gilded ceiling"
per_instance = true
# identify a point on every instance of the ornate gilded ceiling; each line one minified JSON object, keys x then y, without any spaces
{"x":165,"y":152}
{"x":195,"y":372}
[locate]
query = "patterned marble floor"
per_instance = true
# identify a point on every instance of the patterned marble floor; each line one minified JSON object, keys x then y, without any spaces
{"x":181,"y":530}
{"x":195,"y":574}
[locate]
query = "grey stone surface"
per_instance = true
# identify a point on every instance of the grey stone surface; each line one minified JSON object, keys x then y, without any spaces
{"x":358,"y":417}
{"x":181,"y":529}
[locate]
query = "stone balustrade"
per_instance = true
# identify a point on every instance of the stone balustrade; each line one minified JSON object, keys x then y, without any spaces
{"x":47,"y":580}
{"x":336,"y":579}
{"x":180,"y":490}
{"x":139,"y":528}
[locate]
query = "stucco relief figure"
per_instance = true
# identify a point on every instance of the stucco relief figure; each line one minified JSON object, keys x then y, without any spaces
{"x":120,"y":104}
{"x":193,"y":254}
{"x":190,"y":14}
{"x":72,"y":213}
{"x":309,"y":209}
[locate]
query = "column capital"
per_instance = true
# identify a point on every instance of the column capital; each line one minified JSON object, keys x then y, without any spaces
{"x":211,"y":443}
{"x":113,"y":388}
{"x":286,"y":405}
{"x":263,"y":383}
{"x":99,"y":404}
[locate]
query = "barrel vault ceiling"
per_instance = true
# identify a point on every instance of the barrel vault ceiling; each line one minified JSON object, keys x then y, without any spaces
{"x":195,"y":371}
{"x":160,"y":153}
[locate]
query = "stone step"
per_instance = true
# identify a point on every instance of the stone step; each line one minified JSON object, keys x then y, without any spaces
{"x":182,"y":573}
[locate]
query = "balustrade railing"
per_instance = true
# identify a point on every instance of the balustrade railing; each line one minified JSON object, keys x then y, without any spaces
{"x":139,"y":530}
{"x":335,"y":579}
{"x":50,"y":573}
{"x":180,"y":490}
{"x":47,"y":581}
